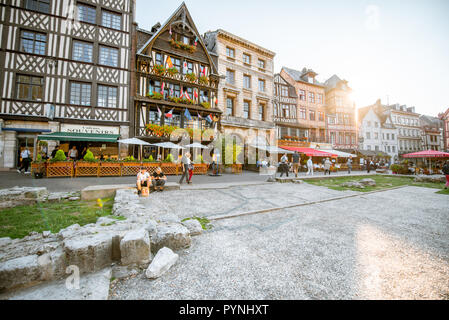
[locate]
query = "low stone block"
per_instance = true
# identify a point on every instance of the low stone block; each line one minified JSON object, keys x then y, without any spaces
{"x":174,"y":236}
{"x":135,"y":247}
{"x":89,"y":253}
{"x":368,"y":182}
{"x":194,"y":227}
{"x":163,"y":261}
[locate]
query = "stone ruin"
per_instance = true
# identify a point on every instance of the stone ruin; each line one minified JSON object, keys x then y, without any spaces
{"x":132,"y":242}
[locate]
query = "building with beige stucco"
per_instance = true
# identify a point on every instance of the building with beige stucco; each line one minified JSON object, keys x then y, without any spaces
{"x":245,"y":93}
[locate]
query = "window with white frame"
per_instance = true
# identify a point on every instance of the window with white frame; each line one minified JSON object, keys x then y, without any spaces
{"x":108,"y":56}
{"x":107,"y":96}
{"x":80,"y":93}
{"x":111,"y":20}
{"x":82,"y":51}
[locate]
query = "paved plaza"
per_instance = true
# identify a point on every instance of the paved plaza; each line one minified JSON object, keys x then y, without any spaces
{"x":384,"y":245}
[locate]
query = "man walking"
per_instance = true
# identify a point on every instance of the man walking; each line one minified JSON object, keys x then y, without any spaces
{"x":310,"y":166}
{"x":185,"y":160}
{"x":284,"y":165}
{"x":349,"y":163}
{"x":327,"y":166}
{"x":25,"y":155}
{"x":296,"y":159}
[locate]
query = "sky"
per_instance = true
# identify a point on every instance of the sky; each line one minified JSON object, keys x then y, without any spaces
{"x":396,"y":51}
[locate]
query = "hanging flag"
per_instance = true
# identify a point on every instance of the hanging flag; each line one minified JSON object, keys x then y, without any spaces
{"x":203,"y":70}
{"x":170,"y":30}
{"x":171,"y":91}
{"x":209,"y":118}
{"x":162,"y":87}
{"x":199,"y":116}
{"x":196,"y":41}
{"x":195,"y":93}
{"x":182,"y":93}
{"x":184,"y":67}
{"x":170,"y":114}
{"x":215,"y":100}
{"x":159,"y":112}
{"x":169,"y":63}
{"x":187,"y":115}
{"x":186,"y":94}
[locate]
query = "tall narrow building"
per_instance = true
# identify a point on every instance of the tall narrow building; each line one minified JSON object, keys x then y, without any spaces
{"x":245,"y":95}
{"x":64,"y":72}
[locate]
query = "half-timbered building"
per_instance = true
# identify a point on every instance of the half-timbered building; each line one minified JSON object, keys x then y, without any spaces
{"x":176,"y":80}
{"x":285,"y":110}
{"x":65,"y":71}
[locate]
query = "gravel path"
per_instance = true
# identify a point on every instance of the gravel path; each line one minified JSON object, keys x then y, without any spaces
{"x":388,"y":245}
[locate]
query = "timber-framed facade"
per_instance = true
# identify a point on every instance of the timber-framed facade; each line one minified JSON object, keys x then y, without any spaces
{"x":176,"y":80}
{"x":63,"y":64}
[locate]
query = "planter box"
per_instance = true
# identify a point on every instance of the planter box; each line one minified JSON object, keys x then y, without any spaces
{"x":86,"y":169}
{"x":59,"y":169}
{"x":130,"y":168}
{"x":37,"y":168}
{"x":171,"y":168}
{"x":200,"y":168}
{"x":151,"y":166}
{"x":237,"y":168}
{"x":109,"y":169}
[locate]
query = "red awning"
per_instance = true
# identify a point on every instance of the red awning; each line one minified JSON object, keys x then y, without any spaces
{"x":311,"y":152}
{"x":427,"y":154}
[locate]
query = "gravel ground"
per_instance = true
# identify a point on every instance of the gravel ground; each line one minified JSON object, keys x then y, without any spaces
{"x":387,"y":245}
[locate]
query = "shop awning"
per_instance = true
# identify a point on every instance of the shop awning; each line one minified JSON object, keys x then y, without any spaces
{"x":427,"y":154}
{"x":311,"y":152}
{"x":88,"y":137}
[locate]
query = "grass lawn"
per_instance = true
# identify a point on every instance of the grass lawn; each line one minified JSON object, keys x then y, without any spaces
{"x":382,"y":182}
{"x":18,"y":222}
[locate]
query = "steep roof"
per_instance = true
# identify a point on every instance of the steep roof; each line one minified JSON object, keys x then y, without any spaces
{"x":300,"y":76}
{"x":158,"y":30}
{"x":332,"y":81}
{"x":381,"y":112}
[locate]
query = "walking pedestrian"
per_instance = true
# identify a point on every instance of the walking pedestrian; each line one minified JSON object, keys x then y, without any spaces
{"x":25,"y":155}
{"x":185,"y":160}
{"x":296,"y":163}
{"x":310,"y":166}
{"x":446,"y":173}
{"x":284,"y":165}
{"x":349,"y":163}
{"x":327,"y":166}
{"x":215,"y":163}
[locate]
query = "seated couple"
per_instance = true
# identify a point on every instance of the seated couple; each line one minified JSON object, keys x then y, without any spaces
{"x":156,"y":180}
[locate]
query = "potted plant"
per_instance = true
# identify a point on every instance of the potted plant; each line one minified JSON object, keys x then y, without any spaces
{"x":203,"y":80}
{"x":172,"y":71}
{"x":205,"y":105}
{"x":38,"y":167}
{"x":155,"y":96}
{"x":191,"y":77}
{"x":169,"y":166}
{"x":88,"y":167}
{"x":59,"y":166}
{"x":159,"y":69}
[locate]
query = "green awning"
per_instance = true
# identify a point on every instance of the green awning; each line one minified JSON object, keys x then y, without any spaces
{"x":89,"y":137}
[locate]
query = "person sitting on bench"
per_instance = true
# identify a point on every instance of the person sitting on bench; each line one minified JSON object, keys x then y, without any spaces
{"x":143,"y":180}
{"x":159,"y":180}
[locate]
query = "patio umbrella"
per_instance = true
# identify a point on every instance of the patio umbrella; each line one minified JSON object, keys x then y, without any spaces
{"x":167,"y":145}
{"x":428,"y":154}
{"x":135,"y":141}
{"x":196,"y":145}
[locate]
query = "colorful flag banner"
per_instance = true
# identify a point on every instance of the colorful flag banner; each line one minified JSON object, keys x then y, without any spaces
{"x":196,"y":41}
{"x":169,"y":62}
{"x":195,"y":93}
{"x":199,"y":116}
{"x":184,"y":67}
{"x":209,"y":118}
{"x":187,"y":115}
{"x":162,"y":87}
{"x":159,"y":112}
{"x":170,"y":114}
{"x":186,"y":94}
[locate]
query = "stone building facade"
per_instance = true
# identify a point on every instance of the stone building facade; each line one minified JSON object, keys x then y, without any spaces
{"x":245,"y":93}
{"x":445,"y":118}
{"x":409,"y":129}
{"x":377,"y":133}
{"x":64,"y":67}
{"x":311,"y":112}
{"x":340,"y":115}
{"x":285,"y":110}
{"x":432,"y":133}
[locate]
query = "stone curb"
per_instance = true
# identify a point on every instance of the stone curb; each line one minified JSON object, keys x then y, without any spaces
{"x":248,"y":213}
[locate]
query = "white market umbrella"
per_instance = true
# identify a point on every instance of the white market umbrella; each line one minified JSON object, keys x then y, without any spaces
{"x":196,"y":145}
{"x":135,"y":141}
{"x":167,"y":145}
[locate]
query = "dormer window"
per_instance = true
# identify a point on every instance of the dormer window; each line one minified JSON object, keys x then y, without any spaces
{"x":310,"y":79}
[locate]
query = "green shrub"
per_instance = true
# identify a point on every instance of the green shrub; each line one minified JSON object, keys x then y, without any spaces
{"x":129,"y":159}
{"x":60,"y":156}
{"x":169,"y":158}
{"x":199,"y":159}
{"x":89,"y":156}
